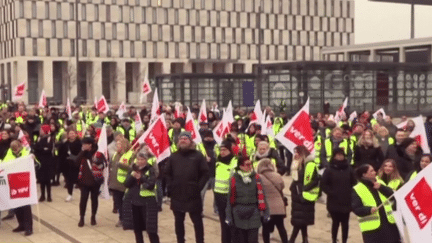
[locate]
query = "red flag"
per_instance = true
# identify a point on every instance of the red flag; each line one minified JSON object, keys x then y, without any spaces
{"x":298,"y":131}
{"x":43,"y":100}
{"x":156,"y":138}
{"x":19,"y":91}
{"x":190,"y":127}
{"x":418,"y":201}
{"x":202,"y":117}
{"x":102,"y":105}
{"x":419,"y":134}
{"x":146,"y":88}
{"x":24,"y":140}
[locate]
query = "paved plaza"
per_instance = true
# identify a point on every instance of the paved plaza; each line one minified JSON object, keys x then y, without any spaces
{"x":59,"y":220}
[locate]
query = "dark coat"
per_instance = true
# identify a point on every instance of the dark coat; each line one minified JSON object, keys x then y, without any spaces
{"x":302,"y":211}
{"x":404,"y":163}
{"x":86,"y":178}
{"x":132,"y":197}
{"x":68,"y":153}
{"x":337,"y":182}
{"x":4,"y":146}
{"x":186,"y":172}
{"x":386,"y":233}
{"x":43,"y":150}
{"x":368,"y":155}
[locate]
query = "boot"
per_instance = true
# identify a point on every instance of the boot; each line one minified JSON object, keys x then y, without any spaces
{"x":42,"y":198}
{"x":81,"y":222}
{"x":93,"y":220}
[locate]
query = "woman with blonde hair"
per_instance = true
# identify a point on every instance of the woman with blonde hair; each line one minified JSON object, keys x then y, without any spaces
{"x":368,"y":151}
{"x":388,"y":175}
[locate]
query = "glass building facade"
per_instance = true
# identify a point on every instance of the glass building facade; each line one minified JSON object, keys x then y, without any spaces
{"x":399,"y":88}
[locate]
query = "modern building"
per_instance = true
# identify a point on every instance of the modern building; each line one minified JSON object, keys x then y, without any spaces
{"x":121,"y":40}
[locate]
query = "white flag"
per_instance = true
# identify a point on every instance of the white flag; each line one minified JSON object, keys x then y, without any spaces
{"x":202,"y":117}
{"x":145,"y":87}
{"x":18,"y":92}
{"x":17,"y":183}
{"x":138,"y":122}
{"x":103,"y":148}
{"x":190,"y":127}
{"x":69,"y":109}
{"x":375,"y":115}
{"x":414,"y":207}
{"x":257,"y":113}
{"x":419,"y":134}
{"x":352,"y":116}
{"x":155,"y":111}
{"x":341,"y":112}
{"x":121,"y":110}
{"x":23,"y":139}
{"x":43,"y":100}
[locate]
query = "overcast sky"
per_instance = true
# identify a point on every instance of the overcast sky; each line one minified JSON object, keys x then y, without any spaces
{"x":376,"y":22}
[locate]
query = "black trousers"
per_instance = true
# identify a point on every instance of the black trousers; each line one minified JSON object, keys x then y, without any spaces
{"x":245,"y":236}
{"x":118,"y":202}
{"x":197,"y":221}
{"x":85,"y":192}
{"x":45,"y":185}
{"x":221,"y":202}
{"x":139,"y":225}
{"x":343,"y":220}
{"x":24,"y":217}
{"x":295,"y":232}
{"x":71,"y":179}
{"x":278,"y":221}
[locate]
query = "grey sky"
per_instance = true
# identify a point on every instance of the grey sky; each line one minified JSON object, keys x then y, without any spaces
{"x":376,"y":22}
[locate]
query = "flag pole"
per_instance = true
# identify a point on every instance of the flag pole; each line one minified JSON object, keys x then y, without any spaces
{"x":386,"y":201}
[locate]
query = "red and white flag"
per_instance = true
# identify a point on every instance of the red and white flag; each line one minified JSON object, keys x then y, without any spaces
{"x":17,"y":183}
{"x":419,"y":134}
{"x":202,"y":117}
{"x":43,"y":100}
{"x":69,"y":109}
{"x":352,"y":116}
{"x":375,"y":115}
{"x":19,"y":91}
{"x":138,"y":122}
{"x":155,"y":111}
{"x":102,"y":105}
{"x":341,"y":112}
{"x":146,"y":88}
{"x":121,"y":110}
{"x":414,"y":208}
{"x":24,"y":140}
{"x":224,"y":126}
{"x":298,"y":131}
{"x":177,"y":112}
{"x":257,"y":113}
{"x":157,"y":140}
{"x":103,"y":148}
{"x":190,"y":127}
{"x":267,"y":129}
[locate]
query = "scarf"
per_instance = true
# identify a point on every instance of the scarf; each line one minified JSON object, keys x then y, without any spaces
{"x":260,"y":192}
{"x":259,"y":156}
{"x":295,"y":167}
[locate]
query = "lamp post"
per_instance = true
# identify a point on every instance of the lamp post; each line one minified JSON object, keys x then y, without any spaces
{"x":259,"y":70}
{"x":77,"y":45}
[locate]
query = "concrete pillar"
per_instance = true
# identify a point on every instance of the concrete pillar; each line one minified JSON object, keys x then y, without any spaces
{"x":372,"y":56}
{"x":187,"y":68}
{"x":346,"y":57}
{"x":120,"y":85}
{"x":248,"y":68}
{"x":20,"y":75}
{"x":94,"y":84}
{"x":229,"y":68}
{"x":402,"y":56}
{"x":47,"y":78}
{"x":166,"y":67}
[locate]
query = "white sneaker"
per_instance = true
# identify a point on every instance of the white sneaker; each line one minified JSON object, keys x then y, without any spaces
{"x":68,"y":198}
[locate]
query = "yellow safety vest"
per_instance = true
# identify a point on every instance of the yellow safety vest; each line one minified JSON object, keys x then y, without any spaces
{"x":171,"y":137}
{"x":125,"y":159}
{"x":256,"y":162}
{"x":146,"y":192}
{"x":311,"y":171}
{"x":393,"y":184}
{"x":318,"y":146}
{"x":372,"y":222}
{"x":223,"y":174}
{"x":11,"y":156}
{"x":200,"y":147}
{"x":132,"y":132}
{"x":329,"y":147}
{"x":413,"y":175}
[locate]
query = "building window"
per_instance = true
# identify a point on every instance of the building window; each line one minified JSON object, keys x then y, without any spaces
{"x":137,"y":32}
{"x":96,"y":8}
{"x":171,"y":33}
{"x":84,"y":48}
{"x":59,"y":12}
{"x":165,"y":11}
{"x":40,"y":23}
{"x":223,"y":4}
{"x":108,"y":13}
{"x":176,"y":16}
{"x":143,"y":13}
{"x":144,"y":49}
{"x":267,"y":21}
{"x":21,"y":8}
{"x":187,"y":50}
{"x":28,"y":27}
{"x":332,"y":7}
{"x":71,"y":11}
{"x":59,"y":48}
{"x":223,"y":35}
{"x":121,"y":14}
{"x":102,"y":30}
{"x":47,"y":12}
{"x":176,"y":50}
{"x":218,"y":51}
{"x":108,"y":48}
{"x":243,"y":36}
{"x":114,"y":31}
{"x":208,"y":18}
{"x":155,"y":50}
{"x":154,"y":15}
{"x":209,"y":51}
{"x":198,"y":51}
{"x":203,"y":34}
{"x":149,"y":32}
{"x":131,"y":14}
{"x":276,"y":18}
{"x":229,"y":52}
{"x":132,"y":49}
{"x":197,"y":18}
{"x":234,"y":39}
{"x":166,"y":50}
{"x":65,"y":29}
{"x":34,"y":10}
{"x":160,"y":32}
{"x":127,"y":31}
{"x":238,"y":51}
{"x":121,"y":48}
{"x":182,"y":33}
{"x":97,"y":47}
{"x":72,"y":45}
{"x":348,"y":9}
{"x":83,"y":12}
{"x":203,"y":2}
{"x":22,"y":49}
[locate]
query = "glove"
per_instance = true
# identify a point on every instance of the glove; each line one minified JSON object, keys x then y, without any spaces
{"x":229,"y":222}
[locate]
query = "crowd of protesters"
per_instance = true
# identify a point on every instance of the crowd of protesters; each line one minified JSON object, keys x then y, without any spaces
{"x":245,"y":171}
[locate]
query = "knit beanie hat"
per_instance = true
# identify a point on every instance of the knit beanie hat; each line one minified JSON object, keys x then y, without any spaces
{"x":185,"y":134}
{"x":226,"y":144}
